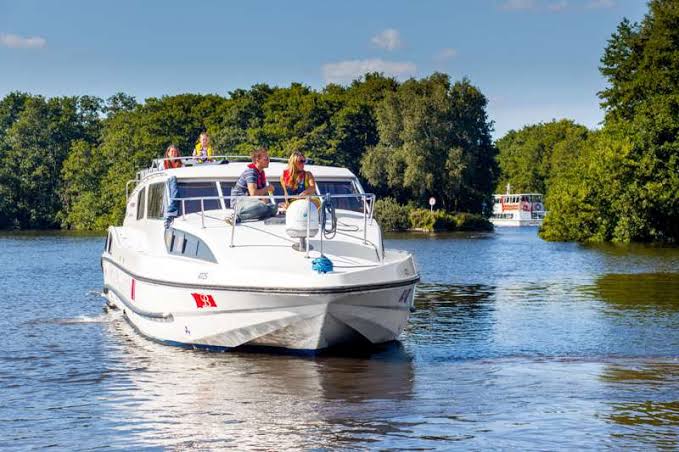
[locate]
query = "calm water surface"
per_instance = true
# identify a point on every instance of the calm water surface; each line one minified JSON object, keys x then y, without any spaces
{"x":516,"y":343}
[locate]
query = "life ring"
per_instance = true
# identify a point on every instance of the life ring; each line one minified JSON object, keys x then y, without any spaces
{"x":525,"y":207}
{"x":538,"y":207}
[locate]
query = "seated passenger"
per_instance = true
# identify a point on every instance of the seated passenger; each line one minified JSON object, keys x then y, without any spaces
{"x":203,"y":148}
{"x":170,"y":161}
{"x":252,"y":182}
{"x":296,"y":181}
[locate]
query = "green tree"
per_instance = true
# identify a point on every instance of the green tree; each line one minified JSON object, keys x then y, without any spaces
{"x":528,"y":157}
{"x":434,"y":140}
{"x":629,"y":176}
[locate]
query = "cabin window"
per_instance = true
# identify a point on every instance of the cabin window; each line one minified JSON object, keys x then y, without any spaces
{"x":141,"y":203}
{"x":156,"y":195}
{"x":226,"y":187}
{"x":181,"y":243}
{"x":342,"y":188}
{"x":198,"y":190}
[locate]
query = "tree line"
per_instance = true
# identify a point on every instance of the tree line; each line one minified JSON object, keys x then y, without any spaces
{"x":65,"y":161}
{"x":621,"y":182}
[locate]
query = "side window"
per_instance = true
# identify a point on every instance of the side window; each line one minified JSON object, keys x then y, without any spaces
{"x":156,"y":195}
{"x":141,"y":203}
{"x":187,"y":245}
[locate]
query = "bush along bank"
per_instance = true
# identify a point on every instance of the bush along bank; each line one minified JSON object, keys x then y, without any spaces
{"x":393,"y":216}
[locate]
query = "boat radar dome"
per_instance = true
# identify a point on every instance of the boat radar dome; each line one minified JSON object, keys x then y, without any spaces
{"x":296,"y":217}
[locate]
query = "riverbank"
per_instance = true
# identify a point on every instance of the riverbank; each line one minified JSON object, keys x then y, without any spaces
{"x":395,"y":217}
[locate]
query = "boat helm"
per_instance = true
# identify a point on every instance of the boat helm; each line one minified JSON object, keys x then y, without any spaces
{"x":298,"y":216}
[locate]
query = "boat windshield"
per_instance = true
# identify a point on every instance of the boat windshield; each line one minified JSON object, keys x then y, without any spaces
{"x":346,"y":187}
{"x":205,"y":189}
{"x":198,"y":190}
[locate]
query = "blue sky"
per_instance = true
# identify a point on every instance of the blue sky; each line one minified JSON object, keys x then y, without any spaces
{"x":535,"y":60}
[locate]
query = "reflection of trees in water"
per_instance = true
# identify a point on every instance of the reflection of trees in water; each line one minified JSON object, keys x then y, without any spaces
{"x":649,"y":406}
{"x":177,"y":397}
{"x":638,"y":290}
{"x":445,"y":311}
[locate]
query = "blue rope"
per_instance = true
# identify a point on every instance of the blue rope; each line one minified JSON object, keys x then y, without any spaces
{"x":321,"y":264}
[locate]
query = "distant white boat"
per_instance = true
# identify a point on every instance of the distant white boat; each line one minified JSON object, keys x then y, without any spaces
{"x":518,"y":209}
{"x":206,"y":282}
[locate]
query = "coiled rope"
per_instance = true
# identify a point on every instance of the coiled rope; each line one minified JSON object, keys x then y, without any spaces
{"x":323,"y":264}
{"x":327,"y":209}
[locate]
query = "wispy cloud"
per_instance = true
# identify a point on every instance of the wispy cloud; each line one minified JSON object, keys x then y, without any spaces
{"x":601,"y":4}
{"x":20,"y":42}
{"x":445,"y":54}
{"x":346,"y":71}
{"x":514,"y":5}
{"x":389,"y":39}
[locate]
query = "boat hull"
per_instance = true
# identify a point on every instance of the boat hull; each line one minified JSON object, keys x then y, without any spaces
{"x":229,"y":318}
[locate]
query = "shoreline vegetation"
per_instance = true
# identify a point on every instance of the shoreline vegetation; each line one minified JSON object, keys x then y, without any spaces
{"x":64,"y":161}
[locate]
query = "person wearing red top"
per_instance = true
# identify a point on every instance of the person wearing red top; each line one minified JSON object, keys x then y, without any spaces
{"x":252,"y":182}
{"x":171,"y":160}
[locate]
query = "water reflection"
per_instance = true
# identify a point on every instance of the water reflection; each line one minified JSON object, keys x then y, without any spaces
{"x":446,"y":312}
{"x":186,"y":397}
{"x":649,"y":409}
{"x":638,"y":290}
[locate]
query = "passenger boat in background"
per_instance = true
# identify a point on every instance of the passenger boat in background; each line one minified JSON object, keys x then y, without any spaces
{"x":204,"y":281}
{"x":518,"y":209}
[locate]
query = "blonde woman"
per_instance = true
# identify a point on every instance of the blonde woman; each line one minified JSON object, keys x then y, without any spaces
{"x":203,"y":148}
{"x":296,"y":181}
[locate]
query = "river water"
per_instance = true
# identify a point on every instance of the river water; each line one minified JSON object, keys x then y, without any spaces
{"x":516,"y":343}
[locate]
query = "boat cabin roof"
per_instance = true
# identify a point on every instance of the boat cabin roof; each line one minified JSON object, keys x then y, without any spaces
{"x":233,"y":170}
{"x":517,"y":194}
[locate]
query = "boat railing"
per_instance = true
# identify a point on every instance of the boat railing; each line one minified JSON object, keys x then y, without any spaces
{"x":192,"y":160}
{"x":368,"y":212}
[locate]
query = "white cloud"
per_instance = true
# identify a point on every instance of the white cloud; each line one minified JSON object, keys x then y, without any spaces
{"x":601,"y":4}
{"x":346,"y":71}
{"x":389,"y":39}
{"x":558,"y":6}
{"x":513,"y":5}
{"x":20,"y":42}
{"x":445,"y":55}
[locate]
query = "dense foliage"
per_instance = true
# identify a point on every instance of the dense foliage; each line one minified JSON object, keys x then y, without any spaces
{"x":434,"y":140}
{"x":65,"y":162}
{"x":530,"y":157}
{"x":624,"y":184}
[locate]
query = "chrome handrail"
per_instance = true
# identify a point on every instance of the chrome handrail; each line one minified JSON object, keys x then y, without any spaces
{"x":368,"y":211}
{"x":157,"y":164}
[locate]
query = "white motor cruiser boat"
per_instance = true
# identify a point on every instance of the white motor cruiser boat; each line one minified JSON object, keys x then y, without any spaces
{"x":200,"y":279}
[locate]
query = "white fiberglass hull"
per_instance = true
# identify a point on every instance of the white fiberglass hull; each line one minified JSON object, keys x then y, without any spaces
{"x":305,"y":319}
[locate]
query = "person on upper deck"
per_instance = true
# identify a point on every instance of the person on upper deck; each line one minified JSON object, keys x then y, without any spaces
{"x":252,"y":182}
{"x":296,"y":181}
{"x":171,"y":153}
{"x":203,"y":148}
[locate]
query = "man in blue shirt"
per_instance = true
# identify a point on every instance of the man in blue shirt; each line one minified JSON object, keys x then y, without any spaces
{"x":252,"y":182}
